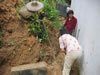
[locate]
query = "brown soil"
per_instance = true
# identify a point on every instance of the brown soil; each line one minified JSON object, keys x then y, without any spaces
{"x":19,"y":48}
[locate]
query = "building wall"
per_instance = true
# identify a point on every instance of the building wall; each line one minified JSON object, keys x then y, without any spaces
{"x":88,"y":34}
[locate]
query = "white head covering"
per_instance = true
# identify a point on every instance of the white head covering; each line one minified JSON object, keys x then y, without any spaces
{"x":68,"y":8}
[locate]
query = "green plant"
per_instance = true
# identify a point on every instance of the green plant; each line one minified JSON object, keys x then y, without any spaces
{"x":36,"y":21}
{"x":17,"y":11}
{"x":12,"y":43}
{"x":52,"y":14}
{"x":19,"y":7}
{"x":38,"y":29}
{"x":62,"y":1}
{"x":41,"y":55}
{"x":23,"y":3}
{"x":57,"y":24}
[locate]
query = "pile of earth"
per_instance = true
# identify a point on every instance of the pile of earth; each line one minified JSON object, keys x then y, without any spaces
{"x":17,"y":47}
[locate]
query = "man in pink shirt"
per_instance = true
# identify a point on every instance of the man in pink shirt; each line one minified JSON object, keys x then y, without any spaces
{"x":73,"y":51}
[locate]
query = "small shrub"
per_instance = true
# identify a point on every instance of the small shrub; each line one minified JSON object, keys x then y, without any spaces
{"x":52,"y":14}
{"x":39,"y":31}
{"x":38,"y":28}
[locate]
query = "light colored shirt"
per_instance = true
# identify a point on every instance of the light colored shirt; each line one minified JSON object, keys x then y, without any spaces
{"x":69,"y":42}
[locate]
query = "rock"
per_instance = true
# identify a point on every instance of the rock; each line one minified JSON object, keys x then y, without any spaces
{"x":30,"y":69}
{"x":25,"y":13}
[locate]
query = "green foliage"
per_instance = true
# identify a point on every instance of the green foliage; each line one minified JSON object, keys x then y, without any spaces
{"x":41,"y":55}
{"x":23,"y":3}
{"x":51,"y":13}
{"x":58,"y":25}
{"x":17,"y":10}
{"x":37,"y":27}
{"x":20,"y":6}
{"x":53,"y":2}
{"x":62,"y":1}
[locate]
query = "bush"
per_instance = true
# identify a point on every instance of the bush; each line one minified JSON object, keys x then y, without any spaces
{"x":37,"y":27}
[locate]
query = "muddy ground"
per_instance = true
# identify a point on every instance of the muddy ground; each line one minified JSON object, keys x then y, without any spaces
{"x":17,"y":47}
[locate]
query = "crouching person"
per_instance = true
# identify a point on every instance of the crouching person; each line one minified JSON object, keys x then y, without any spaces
{"x":72,"y":48}
{"x":70,"y":23}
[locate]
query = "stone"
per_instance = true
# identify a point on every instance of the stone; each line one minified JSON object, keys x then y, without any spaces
{"x":25,"y":13}
{"x":30,"y":69}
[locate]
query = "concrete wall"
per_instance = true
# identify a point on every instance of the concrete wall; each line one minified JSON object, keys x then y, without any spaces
{"x":88,"y":34}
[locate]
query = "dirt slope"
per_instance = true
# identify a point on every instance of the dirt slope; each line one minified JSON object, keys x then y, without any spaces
{"x":19,"y":48}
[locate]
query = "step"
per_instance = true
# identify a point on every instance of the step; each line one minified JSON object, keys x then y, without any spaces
{"x":30,"y":69}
